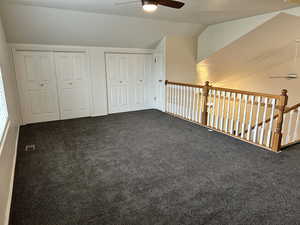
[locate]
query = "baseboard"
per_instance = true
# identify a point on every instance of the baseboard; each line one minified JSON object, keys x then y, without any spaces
{"x":6,"y":220}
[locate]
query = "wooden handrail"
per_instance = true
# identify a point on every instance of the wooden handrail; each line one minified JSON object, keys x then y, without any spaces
{"x":226,"y":90}
{"x":290,"y":144}
{"x":262,"y":104}
{"x":245,"y":92}
{"x":184,"y":84}
{"x":292,"y":108}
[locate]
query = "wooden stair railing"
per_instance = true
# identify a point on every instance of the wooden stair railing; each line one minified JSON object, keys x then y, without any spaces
{"x":291,"y":118}
{"x":240,"y":114}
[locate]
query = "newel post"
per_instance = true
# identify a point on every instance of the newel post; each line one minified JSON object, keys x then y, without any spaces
{"x":277,"y":136}
{"x":205,"y":100}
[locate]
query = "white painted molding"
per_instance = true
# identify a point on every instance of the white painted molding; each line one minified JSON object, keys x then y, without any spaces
{"x":3,"y":138}
{"x":37,"y":47}
{"x":8,"y":207}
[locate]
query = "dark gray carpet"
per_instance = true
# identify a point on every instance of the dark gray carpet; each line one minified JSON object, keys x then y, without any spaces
{"x":146,"y":167}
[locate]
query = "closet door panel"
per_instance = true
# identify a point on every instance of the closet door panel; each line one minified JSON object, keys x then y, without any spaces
{"x":117,"y":67}
{"x":37,"y":86}
{"x":73,"y":84}
{"x":138,"y":82}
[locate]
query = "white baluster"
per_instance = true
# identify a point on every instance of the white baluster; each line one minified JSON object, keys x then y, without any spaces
{"x":228,"y":111}
{"x":186,"y":102}
{"x":237,"y":126}
{"x":213,"y":109}
{"x":271,"y":123}
{"x":168,"y":98}
{"x":196,"y":90}
{"x":244,"y":117}
{"x":257,"y":119}
{"x":284,"y":133}
{"x":182,"y":101}
{"x":233,"y":113}
{"x":218,"y":112}
{"x":200,"y":104}
{"x":262,"y":133}
{"x":191,"y":104}
{"x":297,"y":125}
{"x":288,"y":136}
{"x":223,"y":110}
{"x":250,"y":119}
{"x":173,"y":99}
{"x":194,"y":104}
{"x":209,"y":107}
{"x":178,"y":99}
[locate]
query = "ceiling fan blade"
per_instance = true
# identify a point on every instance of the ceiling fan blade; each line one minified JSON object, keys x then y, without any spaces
{"x":171,"y":3}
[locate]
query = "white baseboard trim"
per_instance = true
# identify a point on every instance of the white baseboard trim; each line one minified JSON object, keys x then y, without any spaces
{"x":6,"y":220}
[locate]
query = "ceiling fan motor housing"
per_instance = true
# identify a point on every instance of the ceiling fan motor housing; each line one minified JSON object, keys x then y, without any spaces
{"x":149,"y":2}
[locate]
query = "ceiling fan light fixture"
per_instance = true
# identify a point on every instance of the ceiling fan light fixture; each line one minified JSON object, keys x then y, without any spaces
{"x":149,"y":6}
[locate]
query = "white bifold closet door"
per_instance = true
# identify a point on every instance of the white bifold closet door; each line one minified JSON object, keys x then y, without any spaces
{"x":73,"y":84}
{"x":37,"y":86}
{"x":127,"y":81}
{"x":52,"y":85}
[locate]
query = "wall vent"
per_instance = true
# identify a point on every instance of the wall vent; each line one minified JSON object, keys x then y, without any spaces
{"x":29,"y":148}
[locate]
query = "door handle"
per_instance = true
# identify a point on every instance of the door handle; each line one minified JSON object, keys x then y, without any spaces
{"x":141,"y":80}
{"x":42,"y":85}
{"x":160,"y":80}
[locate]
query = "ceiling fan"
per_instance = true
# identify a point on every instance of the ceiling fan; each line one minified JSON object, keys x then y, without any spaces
{"x":293,"y":75}
{"x":152,"y":5}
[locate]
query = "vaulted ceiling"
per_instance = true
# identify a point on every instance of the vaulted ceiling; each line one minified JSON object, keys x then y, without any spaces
{"x":271,"y":49}
{"x":103,"y":23}
{"x":195,"y":11}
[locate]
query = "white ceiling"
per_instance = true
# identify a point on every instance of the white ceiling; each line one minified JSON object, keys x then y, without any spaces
{"x":195,"y":11}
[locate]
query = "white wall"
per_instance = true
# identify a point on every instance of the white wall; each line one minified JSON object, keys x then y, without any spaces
{"x":181,"y":58}
{"x":216,"y":37}
{"x":8,"y":153}
{"x":39,"y":25}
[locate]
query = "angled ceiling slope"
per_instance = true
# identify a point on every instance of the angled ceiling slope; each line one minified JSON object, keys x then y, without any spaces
{"x":267,"y":50}
{"x":195,"y":11}
{"x":41,"y":25}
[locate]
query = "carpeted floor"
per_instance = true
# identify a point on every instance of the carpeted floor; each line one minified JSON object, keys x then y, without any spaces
{"x":146,"y":167}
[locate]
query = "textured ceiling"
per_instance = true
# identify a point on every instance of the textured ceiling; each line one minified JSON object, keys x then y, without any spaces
{"x":195,"y":11}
